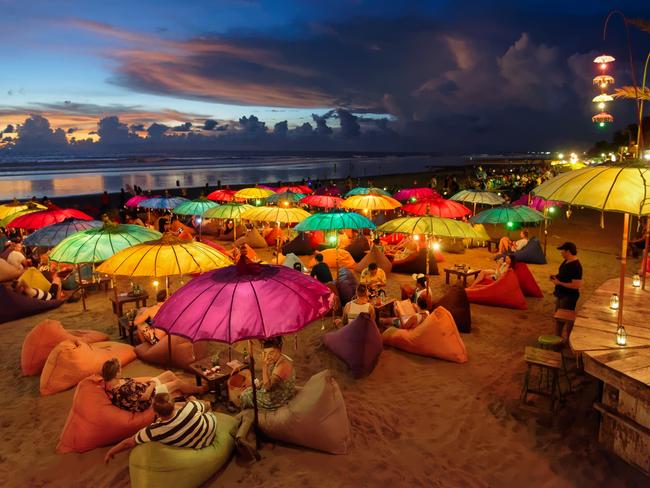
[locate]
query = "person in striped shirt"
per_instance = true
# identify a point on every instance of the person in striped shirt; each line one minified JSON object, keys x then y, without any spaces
{"x":190,"y":425}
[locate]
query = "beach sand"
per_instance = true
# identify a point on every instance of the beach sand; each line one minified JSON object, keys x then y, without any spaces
{"x":415,"y":421}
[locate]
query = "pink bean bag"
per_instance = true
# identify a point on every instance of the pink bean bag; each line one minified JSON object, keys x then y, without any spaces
{"x":437,"y":336}
{"x":505,"y":292}
{"x":40,"y":341}
{"x":95,"y":422}
{"x":329,"y":256}
{"x":527,"y":281}
{"x":68,"y":363}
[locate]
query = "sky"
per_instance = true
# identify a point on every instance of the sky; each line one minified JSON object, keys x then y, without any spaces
{"x":441,"y":76}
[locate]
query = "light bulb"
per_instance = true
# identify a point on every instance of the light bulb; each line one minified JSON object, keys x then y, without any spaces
{"x":603,"y":66}
{"x":416,"y":237}
{"x":155,"y":283}
{"x":601,"y":106}
{"x":199,"y":220}
{"x":603,"y":85}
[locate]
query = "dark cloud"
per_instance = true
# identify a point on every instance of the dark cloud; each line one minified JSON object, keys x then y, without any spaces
{"x":136,"y":128}
{"x":281,"y":128}
{"x":8,"y":130}
{"x":113,"y":132}
{"x":185,"y":127}
{"x":210,"y":124}
{"x":71,"y":130}
{"x":156,"y":131}
{"x":37,"y":135}
{"x":321,"y":124}
{"x":349,"y":125}
{"x":252,"y":125}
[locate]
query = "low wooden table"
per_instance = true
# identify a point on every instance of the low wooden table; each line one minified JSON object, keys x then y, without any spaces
{"x":126,"y":329}
{"x":461,"y":273}
{"x":121,"y":300}
{"x":217,"y":381}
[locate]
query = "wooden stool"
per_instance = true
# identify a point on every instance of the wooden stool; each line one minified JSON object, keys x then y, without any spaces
{"x":555,"y":343}
{"x":548,"y":363}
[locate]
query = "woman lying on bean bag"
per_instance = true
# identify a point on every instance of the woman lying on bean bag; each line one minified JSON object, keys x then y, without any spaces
{"x":484,"y":277}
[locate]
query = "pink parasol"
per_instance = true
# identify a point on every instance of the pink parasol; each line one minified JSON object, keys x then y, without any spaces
{"x":135,"y":201}
{"x":42,"y":218}
{"x":415,"y":194}
{"x":438,"y":207}
{"x":537,"y":203}
{"x":223,"y":195}
{"x":304,"y":189}
{"x":323,"y":201}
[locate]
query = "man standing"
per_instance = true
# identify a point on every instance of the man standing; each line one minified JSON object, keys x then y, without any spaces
{"x":567,"y":283}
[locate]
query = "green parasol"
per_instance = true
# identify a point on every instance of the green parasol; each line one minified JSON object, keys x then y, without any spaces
{"x":335,"y":221}
{"x":362,"y":190}
{"x":195,"y":207}
{"x":508,"y":215}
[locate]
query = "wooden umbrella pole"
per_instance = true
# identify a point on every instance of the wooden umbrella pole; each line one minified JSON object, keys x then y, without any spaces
{"x":166,"y":287}
{"x":621,"y":288}
{"x":251,"y":355}
{"x":644,"y":261}
{"x":545,"y":232}
{"x":277,"y":244}
{"x":169,"y":349}
{"x":83,"y":290}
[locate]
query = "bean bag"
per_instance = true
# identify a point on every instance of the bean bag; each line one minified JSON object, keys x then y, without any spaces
{"x":271,"y":237}
{"x":95,"y":422}
{"x":179,"y":228}
{"x":358,"y":248}
{"x":254,"y":239}
{"x":291,"y":259}
{"x":315,"y":418}
{"x":35,"y":279}
{"x":416,"y":263}
{"x":217,"y":246}
{"x":345,"y":260}
{"x":316,"y":238}
{"x":300,"y":246}
{"x":358,"y":344}
{"x":68,"y":363}
{"x":456,"y":302}
{"x":156,"y":465}
{"x":8,"y":272}
{"x":505,"y":292}
{"x":375,"y":255}
{"x":527,"y":281}
{"x":158,"y":353}
{"x":454,"y":246}
{"x":346,"y":284}
{"x":40,"y":341}
{"x":16,"y":305}
{"x":210,"y":227}
{"x":437,"y":337}
{"x":531,"y":253}
{"x":392,"y":239}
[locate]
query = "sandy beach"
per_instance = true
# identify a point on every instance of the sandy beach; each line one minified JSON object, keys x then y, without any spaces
{"x":415,"y":421}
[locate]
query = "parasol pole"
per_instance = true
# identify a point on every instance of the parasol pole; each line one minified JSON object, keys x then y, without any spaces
{"x":277,"y":244}
{"x":167,"y":286}
{"x":545,"y":229}
{"x":644,"y":261}
{"x":169,"y":349}
{"x":255,"y":410}
{"x":83,"y":291}
{"x":621,"y":288}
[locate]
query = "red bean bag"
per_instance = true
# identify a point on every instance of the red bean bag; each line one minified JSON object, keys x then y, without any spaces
{"x":374,"y":256}
{"x":316,"y":238}
{"x":16,"y":305}
{"x":94,"y":421}
{"x":345,"y":260}
{"x":504,"y":292}
{"x":358,"y":344}
{"x":527,"y":281}
{"x":437,"y":336}
{"x":40,"y":341}
{"x":455,"y":300}
{"x":158,"y":353}
{"x":416,"y":263}
{"x":439,"y":256}
{"x":392,"y":239}
{"x":68,"y":363}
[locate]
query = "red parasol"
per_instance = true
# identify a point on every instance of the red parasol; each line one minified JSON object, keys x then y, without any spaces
{"x":323,"y":201}
{"x":135,"y":201}
{"x":304,"y":189}
{"x":37,"y":220}
{"x":415,"y":194}
{"x":222,"y":195}
{"x":438,"y":207}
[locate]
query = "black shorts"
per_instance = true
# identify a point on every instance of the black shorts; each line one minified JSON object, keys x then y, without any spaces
{"x":566,"y":302}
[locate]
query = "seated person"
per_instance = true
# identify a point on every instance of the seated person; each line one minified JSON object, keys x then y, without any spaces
{"x":144,"y":320}
{"x":189,"y":425}
{"x":422,"y":288}
{"x":16,"y":256}
{"x":404,"y":249}
{"x":136,"y":396}
{"x":360,"y":304}
{"x":54,"y":293}
{"x":507,"y":246}
{"x":408,"y":321}
{"x":374,"y":278}
{"x":503,"y":266}
{"x":321,"y":271}
{"x":376,"y":242}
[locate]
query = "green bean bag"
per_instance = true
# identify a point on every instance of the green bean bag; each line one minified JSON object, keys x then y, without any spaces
{"x":153,"y":465}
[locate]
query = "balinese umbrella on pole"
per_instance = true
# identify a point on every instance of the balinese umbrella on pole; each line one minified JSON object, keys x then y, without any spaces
{"x":223,"y":195}
{"x":97,"y":245}
{"x":322,"y":201}
{"x":195,"y":208}
{"x":304,"y":189}
{"x":362,"y":190}
{"x":229,"y":211}
{"x":15,"y":207}
{"x":243,"y":303}
{"x":135,"y":201}
{"x":508,"y":216}
{"x":7,"y":220}
{"x":42,"y":218}
{"x":415,"y":194}
{"x":608,"y":189}
{"x":478,"y":197}
{"x":254,"y":194}
{"x":162,"y":203}
{"x":285,"y":198}
{"x":370,"y":202}
{"x":51,"y":235}
{"x":437,"y":207}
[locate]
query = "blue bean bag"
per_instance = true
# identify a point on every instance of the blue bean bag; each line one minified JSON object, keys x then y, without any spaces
{"x":16,"y":305}
{"x":531,"y":253}
{"x":358,"y":344}
{"x":346,"y":283}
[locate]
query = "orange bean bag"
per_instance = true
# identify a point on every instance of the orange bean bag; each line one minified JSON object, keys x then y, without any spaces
{"x":40,"y":341}
{"x":504,"y":292}
{"x":68,"y":363}
{"x":437,"y":336}
{"x":179,"y":228}
{"x":274,"y":234}
{"x":527,"y":281}
{"x":182,"y":352}
{"x":329,"y":257}
{"x":94,"y":421}
{"x":254,"y":239}
{"x":375,"y":255}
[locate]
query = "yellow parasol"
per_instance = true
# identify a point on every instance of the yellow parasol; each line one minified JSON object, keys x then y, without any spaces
{"x":370,"y":202}
{"x":254,"y":193}
{"x":15,"y":207}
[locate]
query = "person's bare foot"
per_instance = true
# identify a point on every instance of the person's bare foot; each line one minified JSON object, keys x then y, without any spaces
{"x":246,"y":450}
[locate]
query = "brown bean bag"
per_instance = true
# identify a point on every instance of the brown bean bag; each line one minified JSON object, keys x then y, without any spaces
{"x":358,"y":247}
{"x":437,"y":336}
{"x":455,"y":300}
{"x":416,"y":263}
{"x":40,"y":341}
{"x":315,"y":418}
{"x":300,"y":246}
{"x":95,"y":422}
{"x":345,"y":260}
{"x":182,"y":352}
{"x":16,"y":305}
{"x":375,"y":255}
{"x":68,"y":363}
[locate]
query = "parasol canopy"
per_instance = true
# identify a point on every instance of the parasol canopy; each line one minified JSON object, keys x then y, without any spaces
{"x":162,"y":203}
{"x":362,"y":190}
{"x":4,"y":222}
{"x":415,"y":194}
{"x":254,"y":193}
{"x":430,"y":226}
{"x":236,"y":303}
{"x":96,"y":245}
{"x":537,"y":203}
{"x":51,"y":235}
{"x":438,"y":207}
{"x":223,"y":195}
{"x":507,"y":214}
{"x":227,"y":211}
{"x":194,"y":207}
{"x":478,"y":197}
{"x":304,"y":189}
{"x":42,"y":218}
{"x":323,"y":201}
{"x":285,"y":198}
{"x":335,"y":221}
{"x":12,"y":208}
{"x":167,"y":256}
{"x":289,"y":215}
{"x":370,"y":202}
{"x":137,"y":199}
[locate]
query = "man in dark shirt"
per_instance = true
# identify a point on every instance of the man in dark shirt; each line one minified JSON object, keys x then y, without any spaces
{"x":567,"y":283}
{"x":321,"y":271}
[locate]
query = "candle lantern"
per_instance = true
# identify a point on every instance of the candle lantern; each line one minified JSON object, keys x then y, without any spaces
{"x":636,"y":281}
{"x":621,"y":336}
{"x":613,"y":301}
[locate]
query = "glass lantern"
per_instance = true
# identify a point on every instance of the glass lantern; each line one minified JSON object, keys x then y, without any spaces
{"x":636,"y":281}
{"x":614,"y":301}
{"x":621,"y":336}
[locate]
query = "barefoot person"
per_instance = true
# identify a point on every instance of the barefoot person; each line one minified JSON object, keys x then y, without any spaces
{"x":506,"y":245}
{"x":567,"y":283}
{"x":504,"y":265}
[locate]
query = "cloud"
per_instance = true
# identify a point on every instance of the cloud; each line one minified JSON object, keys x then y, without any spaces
{"x":186,"y":127}
{"x":281,"y":128}
{"x":37,"y":135}
{"x":349,"y":125}
{"x":321,"y":123}
{"x":252,"y":125}
{"x":112,"y":131}
{"x":210,"y":124}
{"x":8,"y":130}
{"x":156,"y":131}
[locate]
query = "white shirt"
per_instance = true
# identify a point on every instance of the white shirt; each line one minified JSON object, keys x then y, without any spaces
{"x":16,"y":259}
{"x":520,"y":244}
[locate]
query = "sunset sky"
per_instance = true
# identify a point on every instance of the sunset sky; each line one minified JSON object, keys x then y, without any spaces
{"x":453,"y":76}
